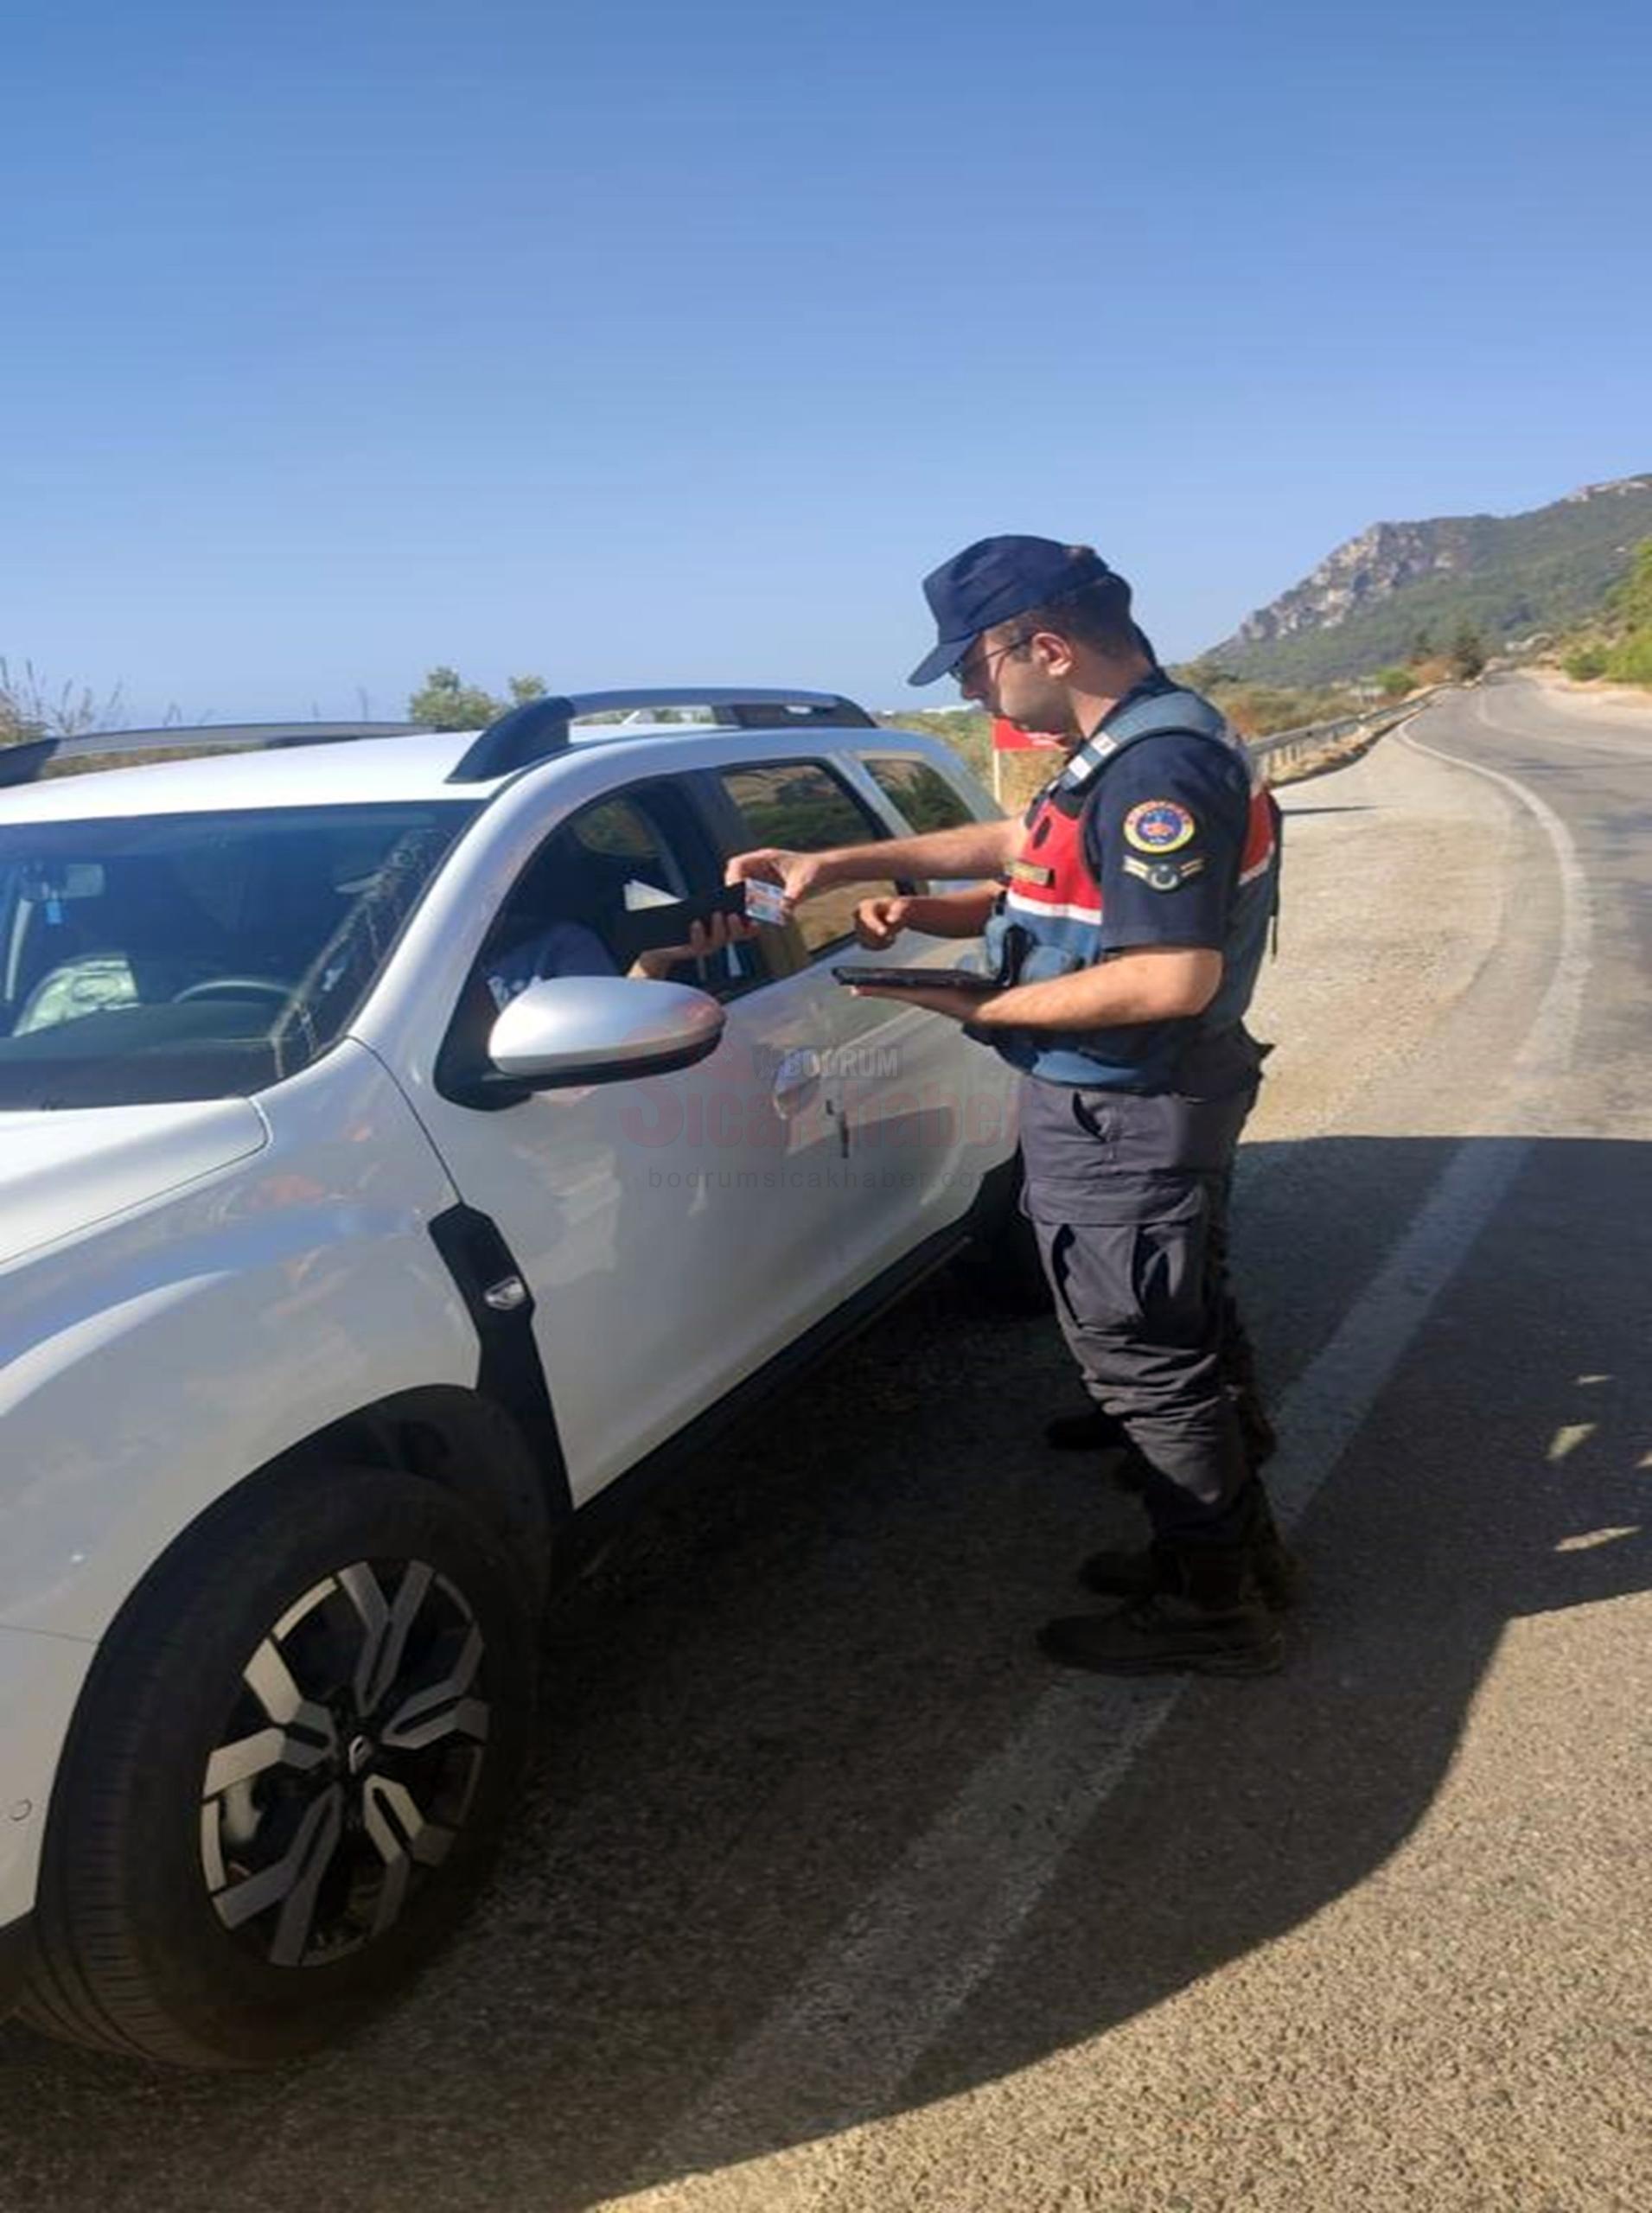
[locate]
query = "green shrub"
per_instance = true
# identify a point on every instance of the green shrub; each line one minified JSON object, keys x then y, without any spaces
{"x":1395,"y":683}
{"x":1584,"y":663}
{"x":1631,"y":662}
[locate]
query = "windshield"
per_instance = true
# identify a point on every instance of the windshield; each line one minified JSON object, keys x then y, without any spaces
{"x":195,"y":956}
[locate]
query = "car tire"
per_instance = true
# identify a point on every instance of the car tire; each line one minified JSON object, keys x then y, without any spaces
{"x":287,"y":1774}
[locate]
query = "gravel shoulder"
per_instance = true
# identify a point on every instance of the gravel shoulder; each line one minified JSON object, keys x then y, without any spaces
{"x":1598,"y":703}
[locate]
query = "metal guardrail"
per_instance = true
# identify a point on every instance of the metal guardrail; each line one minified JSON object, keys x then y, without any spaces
{"x":1286,"y":750}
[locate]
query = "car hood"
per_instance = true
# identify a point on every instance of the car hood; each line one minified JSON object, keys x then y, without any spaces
{"x":63,"y":1172}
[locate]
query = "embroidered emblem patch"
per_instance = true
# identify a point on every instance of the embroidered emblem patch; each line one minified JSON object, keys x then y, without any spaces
{"x":1159,"y":826}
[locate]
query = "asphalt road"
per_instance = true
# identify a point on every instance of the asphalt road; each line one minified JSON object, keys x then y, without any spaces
{"x":832,"y":1895}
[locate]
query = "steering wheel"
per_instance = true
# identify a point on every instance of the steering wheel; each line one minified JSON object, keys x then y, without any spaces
{"x":233,"y":987}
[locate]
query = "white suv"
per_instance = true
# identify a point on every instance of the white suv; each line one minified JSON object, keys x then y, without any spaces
{"x":346,"y":1267}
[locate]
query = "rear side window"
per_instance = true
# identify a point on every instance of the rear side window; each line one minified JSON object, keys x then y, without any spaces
{"x":922,"y":794}
{"x":802,"y":805}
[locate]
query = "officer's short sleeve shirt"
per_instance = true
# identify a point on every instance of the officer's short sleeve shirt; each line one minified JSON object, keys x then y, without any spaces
{"x":1164,"y":833}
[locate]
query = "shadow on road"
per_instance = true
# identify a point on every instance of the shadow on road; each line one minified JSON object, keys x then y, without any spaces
{"x":774,"y":1687}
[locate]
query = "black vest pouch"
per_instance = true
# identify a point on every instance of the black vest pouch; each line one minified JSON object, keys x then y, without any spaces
{"x":1218,"y":1064}
{"x":1015,"y":942}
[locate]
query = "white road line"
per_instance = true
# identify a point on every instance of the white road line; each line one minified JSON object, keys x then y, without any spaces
{"x":880,"y":1991}
{"x":1550,"y":1042}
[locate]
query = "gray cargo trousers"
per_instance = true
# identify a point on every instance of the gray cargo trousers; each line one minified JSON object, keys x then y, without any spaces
{"x":1128,"y":1193}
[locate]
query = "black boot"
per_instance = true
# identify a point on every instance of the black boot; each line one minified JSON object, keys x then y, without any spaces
{"x":1211,"y":1624}
{"x":1275,"y":1570}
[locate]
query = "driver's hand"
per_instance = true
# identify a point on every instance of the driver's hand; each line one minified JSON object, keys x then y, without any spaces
{"x":705,"y":939}
{"x":879,"y":922}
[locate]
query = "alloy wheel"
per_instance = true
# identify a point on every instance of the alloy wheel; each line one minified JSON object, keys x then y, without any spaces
{"x":346,"y":1764}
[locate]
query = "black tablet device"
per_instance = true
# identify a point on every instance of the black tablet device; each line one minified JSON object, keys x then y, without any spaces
{"x":926,"y":980}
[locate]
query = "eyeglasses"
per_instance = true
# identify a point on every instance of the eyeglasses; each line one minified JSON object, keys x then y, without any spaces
{"x":960,"y":672}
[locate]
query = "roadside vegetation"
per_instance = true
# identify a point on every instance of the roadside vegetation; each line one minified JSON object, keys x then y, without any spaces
{"x":445,"y":701}
{"x":1619,"y":647}
{"x":967,"y":729}
{"x":1258,"y":710}
{"x":31,"y":707}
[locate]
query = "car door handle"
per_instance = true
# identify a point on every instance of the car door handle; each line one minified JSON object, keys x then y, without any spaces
{"x":796,"y":1080}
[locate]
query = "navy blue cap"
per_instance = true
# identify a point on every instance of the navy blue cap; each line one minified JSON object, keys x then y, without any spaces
{"x":994,"y":580}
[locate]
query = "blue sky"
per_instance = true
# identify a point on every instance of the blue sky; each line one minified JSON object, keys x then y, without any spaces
{"x":638,"y":342}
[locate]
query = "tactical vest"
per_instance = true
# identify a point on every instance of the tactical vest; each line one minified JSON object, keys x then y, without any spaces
{"x":1048,"y":919}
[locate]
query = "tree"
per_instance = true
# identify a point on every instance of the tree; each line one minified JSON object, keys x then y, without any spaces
{"x":1468,"y":655}
{"x":444,"y":701}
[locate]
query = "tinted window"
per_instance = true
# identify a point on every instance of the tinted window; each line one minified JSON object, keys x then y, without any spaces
{"x":195,"y":956}
{"x":802,"y":805}
{"x":922,"y":794}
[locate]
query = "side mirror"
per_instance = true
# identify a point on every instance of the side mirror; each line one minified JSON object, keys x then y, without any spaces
{"x":581,"y":1030}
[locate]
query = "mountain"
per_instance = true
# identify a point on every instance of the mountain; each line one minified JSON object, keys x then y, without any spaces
{"x":1506,"y":576}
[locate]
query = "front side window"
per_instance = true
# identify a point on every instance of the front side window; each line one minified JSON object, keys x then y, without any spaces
{"x":574,"y":909}
{"x":802,"y":805}
{"x":198,"y":956}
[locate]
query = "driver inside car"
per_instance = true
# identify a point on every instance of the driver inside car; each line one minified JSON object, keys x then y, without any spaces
{"x":569,"y":933}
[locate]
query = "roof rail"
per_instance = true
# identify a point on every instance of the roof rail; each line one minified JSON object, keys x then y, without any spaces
{"x":24,"y":763}
{"x":540,"y":727}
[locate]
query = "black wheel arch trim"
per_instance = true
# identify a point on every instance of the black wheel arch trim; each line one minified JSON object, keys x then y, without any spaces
{"x":511,"y":1374}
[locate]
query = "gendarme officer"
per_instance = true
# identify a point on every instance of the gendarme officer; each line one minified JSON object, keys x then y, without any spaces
{"x":1125,"y":930}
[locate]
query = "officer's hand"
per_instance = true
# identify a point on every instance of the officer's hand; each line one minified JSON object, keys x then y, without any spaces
{"x":879,"y":922}
{"x":798,"y":874}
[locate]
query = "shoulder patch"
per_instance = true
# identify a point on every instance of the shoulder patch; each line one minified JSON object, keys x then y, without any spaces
{"x":1159,"y":825}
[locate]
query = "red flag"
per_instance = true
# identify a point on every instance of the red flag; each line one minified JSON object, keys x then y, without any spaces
{"x":1007,"y":738}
